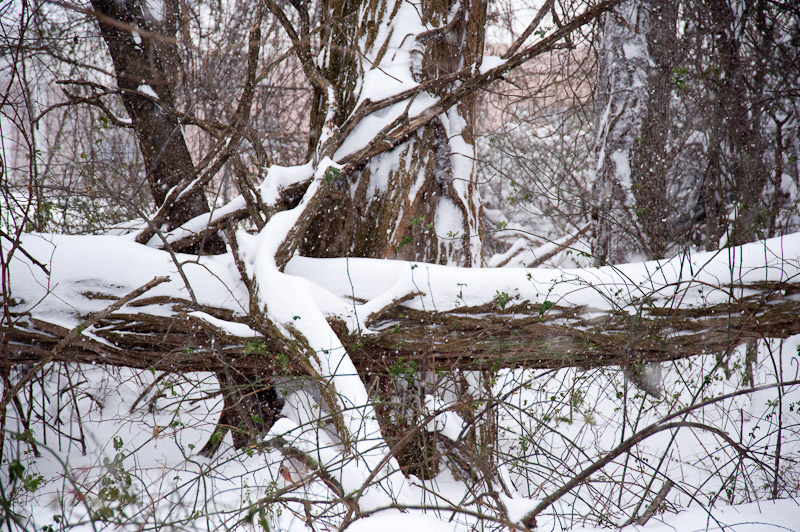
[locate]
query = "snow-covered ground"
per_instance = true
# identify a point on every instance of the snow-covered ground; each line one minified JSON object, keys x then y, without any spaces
{"x":142,"y":432}
{"x":779,"y":515}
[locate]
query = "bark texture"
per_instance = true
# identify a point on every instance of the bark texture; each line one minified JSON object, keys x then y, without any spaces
{"x":418,"y":201}
{"x":526,"y":335}
{"x":630,"y":193}
{"x":150,"y":59}
{"x":650,"y":153}
{"x":740,"y":105}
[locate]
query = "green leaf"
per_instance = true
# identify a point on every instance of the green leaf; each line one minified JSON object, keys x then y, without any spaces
{"x":331,"y":173}
{"x":501,"y":299}
{"x":15,"y":470}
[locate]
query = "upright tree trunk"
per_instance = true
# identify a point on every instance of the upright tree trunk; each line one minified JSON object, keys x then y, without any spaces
{"x":650,"y":158}
{"x":420,"y":200}
{"x":148,"y":62}
{"x":630,"y":193}
{"x":740,"y":105}
{"x":151,"y":59}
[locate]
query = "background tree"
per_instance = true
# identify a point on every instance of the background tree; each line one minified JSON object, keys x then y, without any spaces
{"x":634,"y":92}
{"x":683,"y":125}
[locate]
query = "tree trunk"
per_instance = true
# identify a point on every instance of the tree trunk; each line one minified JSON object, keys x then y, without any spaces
{"x":741,"y":103}
{"x":630,"y":194}
{"x":650,"y":159}
{"x":418,"y":201}
{"x":526,"y":335}
{"x":151,"y":59}
{"x":147,"y":65}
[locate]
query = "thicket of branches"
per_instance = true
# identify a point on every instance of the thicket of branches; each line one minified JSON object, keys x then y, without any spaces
{"x":232,"y":139}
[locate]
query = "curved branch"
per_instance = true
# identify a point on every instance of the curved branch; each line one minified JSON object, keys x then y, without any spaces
{"x":624,"y":447}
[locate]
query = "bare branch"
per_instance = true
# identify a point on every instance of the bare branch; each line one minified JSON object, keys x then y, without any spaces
{"x":388,"y":140}
{"x":643,"y":434}
{"x":225,"y":146}
{"x":530,"y":29}
{"x":74,"y":334}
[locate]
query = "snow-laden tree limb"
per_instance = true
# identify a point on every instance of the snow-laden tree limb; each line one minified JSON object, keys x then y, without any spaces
{"x":457,"y":317}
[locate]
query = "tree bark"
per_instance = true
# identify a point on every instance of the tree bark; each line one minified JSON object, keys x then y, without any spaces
{"x":150,"y":59}
{"x":650,"y":153}
{"x":525,"y":335}
{"x":250,"y":403}
{"x":418,"y":201}
{"x":740,"y":104}
{"x":630,"y":192}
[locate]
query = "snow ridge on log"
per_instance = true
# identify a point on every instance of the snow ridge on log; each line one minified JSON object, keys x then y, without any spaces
{"x":455,"y":317}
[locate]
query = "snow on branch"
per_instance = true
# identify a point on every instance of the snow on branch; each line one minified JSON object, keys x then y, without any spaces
{"x":459,"y":317}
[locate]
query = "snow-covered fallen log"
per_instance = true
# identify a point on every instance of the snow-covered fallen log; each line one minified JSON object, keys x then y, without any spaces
{"x":385,"y":311}
{"x":109,"y":301}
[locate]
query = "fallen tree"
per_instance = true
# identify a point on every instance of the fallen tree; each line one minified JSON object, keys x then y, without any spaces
{"x":500,"y":325}
{"x":392,"y":319}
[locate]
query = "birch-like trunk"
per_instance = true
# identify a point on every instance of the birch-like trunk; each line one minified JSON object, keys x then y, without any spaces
{"x":630,"y":193}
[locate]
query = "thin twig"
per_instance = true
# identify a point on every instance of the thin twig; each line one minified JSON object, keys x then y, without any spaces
{"x":531,"y":27}
{"x":75,"y":333}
